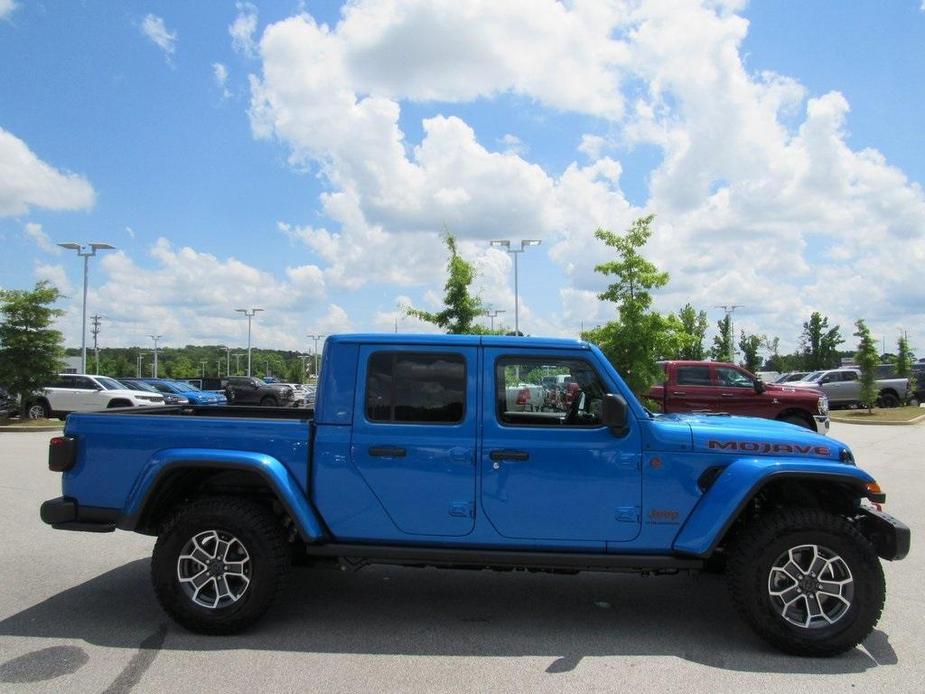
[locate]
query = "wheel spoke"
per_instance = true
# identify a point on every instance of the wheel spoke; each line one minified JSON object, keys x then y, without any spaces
{"x":811,"y":586}
{"x":235,"y":568}
{"x":212,"y":569}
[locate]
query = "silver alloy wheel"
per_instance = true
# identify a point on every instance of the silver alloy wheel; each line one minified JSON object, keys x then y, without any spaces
{"x":36,"y":411}
{"x":214,"y":569}
{"x":811,"y":586}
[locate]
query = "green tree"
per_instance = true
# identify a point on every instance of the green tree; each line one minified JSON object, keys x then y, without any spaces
{"x":750,"y":344}
{"x":30,"y":349}
{"x":904,"y":359}
{"x":693,"y":330}
{"x":181,"y":367}
{"x":819,"y":343}
{"x":722,"y":341}
{"x":639,"y":336}
{"x":867,"y":360}
{"x":774,"y":361}
{"x":461,"y":307}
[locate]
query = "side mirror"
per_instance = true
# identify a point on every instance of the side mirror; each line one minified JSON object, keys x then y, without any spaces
{"x":760,"y":387}
{"x":613,"y":414}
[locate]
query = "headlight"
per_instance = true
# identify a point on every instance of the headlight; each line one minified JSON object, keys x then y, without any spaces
{"x":823,"y":405}
{"x":846,"y":456}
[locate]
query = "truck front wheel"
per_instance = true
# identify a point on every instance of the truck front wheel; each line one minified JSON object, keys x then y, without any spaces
{"x":807,"y":581}
{"x":218,"y":564}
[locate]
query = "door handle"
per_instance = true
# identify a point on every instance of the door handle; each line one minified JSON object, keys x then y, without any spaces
{"x":726,"y":395}
{"x":503,"y":454}
{"x":679,"y":392}
{"x":387,"y":452}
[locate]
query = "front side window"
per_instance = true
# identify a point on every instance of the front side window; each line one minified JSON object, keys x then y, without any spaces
{"x":547,"y":392}
{"x":83,"y":383}
{"x":409,"y":387}
{"x":109,"y":383}
{"x":733,"y":378}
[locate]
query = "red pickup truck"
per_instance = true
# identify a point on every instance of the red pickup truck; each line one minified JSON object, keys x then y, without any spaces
{"x":708,"y":386}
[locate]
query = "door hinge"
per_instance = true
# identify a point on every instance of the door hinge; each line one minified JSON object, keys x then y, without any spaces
{"x":627,"y":514}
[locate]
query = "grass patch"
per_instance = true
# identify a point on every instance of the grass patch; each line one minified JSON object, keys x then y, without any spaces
{"x":30,"y":422}
{"x":890,"y":414}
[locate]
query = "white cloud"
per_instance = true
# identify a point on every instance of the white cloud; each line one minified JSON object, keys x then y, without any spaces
{"x":740,"y":192}
{"x":220,"y":73}
{"x":154,"y":28}
{"x":513,"y":145}
{"x":56,"y":275}
{"x":26,"y":181}
{"x":130,"y":232}
{"x":37,"y":234}
{"x":7,"y":7}
{"x":243,"y":28}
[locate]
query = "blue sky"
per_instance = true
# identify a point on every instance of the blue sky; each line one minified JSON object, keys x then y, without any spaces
{"x":303,"y":157}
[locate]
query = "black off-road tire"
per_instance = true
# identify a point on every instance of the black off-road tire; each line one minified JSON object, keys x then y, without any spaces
{"x":799,"y":420}
{"x":269,"y":401}
{"x":259,"y":532}
{"x":888,"y":399}
{"x":754,"y":554}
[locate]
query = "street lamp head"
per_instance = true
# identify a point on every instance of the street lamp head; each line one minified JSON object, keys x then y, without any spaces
{"x":500,"y":244}
{"x":102,"y":246}
{"x":530,"y":242}
{"x":71,"y":246}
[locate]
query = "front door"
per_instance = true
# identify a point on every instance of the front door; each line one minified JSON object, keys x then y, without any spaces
{"x":414,"y":435}
{"x":556,"y":473}
{"x":737,"y":392}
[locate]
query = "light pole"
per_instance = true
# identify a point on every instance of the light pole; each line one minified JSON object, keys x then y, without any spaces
{"x":250,"y":313}
{"x":303,"y":357}
{"x":155,"y":338}
{"x":729,"y":309}
{"x":492,"y":314}
{"x":316,"y":338}
{"x":95,"y":331}
{"x":203,"y":363}
{"x":237,"y":362}
{"x":86,"y":255}
{"x":524,"y":245}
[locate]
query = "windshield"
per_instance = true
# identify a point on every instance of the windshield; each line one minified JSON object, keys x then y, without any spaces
{"x":814,"y":376}
{"x":187,"y":386}
{"x":141,"y":385}
{"x":110,"y":383}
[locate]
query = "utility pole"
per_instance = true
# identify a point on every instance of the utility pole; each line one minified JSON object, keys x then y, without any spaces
{"x":316,"y":338}
{"x":250,"y":313}
{"x":492,"y":314}
{"x":237,"y":362}
{"x":155,"y":338}
{"x":303,"y":357}
{"x":729,"y":309}
{"x":524,"y":245}
{"x":138,"y":362}
{"x":202,"y":364}
{"x":95,"y":331}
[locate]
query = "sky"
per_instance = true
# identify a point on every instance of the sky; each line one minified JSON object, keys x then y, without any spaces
{"x":305,"y":158}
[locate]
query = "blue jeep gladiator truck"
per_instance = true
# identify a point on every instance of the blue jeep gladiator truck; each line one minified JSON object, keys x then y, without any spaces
{"x":420,"y":453}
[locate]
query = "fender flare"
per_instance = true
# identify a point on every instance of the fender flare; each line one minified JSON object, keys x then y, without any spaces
{"x":738,"y":484}
{"x":288,"y":492}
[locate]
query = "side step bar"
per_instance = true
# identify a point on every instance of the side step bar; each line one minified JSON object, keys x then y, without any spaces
{"x":404,"y":555}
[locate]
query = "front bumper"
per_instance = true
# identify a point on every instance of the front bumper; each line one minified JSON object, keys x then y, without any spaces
{"x":822,"y":423}
{"x":64,"y":513}
{"x":889,"y":536}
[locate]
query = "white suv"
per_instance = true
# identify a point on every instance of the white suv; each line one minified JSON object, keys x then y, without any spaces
{"x":83,"y":393}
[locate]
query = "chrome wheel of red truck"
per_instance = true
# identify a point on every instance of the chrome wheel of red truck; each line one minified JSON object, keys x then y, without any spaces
{"x":807,"y":581}
{"x":218,"y":564}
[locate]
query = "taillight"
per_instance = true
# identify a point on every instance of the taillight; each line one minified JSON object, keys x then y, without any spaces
{"x":62,"y":453}
{"x":523,"y":397}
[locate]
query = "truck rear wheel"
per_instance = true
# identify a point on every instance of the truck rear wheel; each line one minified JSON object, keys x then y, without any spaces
{"x":807,"y":582}
{"x":218,"y":564}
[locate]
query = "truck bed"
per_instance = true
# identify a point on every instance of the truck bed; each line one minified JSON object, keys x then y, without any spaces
{"x":250,"y":411}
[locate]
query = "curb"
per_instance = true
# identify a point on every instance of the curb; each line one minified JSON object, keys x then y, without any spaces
{"x":15,"y":428}
{"x":916,"y":420}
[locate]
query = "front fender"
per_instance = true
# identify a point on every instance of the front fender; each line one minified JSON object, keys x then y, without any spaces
{"x":271,"y":470}
{"x":737,"y":485}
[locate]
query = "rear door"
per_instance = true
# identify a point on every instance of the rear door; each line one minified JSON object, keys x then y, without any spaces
{"x":690,"y":389}
{"x":414,"y":434}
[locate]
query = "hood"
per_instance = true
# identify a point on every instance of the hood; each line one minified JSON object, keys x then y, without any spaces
{"x":785,"y":388}
{"x":754,"y":437}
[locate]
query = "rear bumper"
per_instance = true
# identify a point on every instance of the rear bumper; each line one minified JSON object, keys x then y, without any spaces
{"x":822,"y":423}
{"x":889,"y":536}
{"x":64,"y":513}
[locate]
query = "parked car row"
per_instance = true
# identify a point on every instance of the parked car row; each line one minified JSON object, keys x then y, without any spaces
{"x":843,"y":387}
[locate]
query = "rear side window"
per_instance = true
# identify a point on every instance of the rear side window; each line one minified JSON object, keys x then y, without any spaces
{"x":414,"y":387}
{"x":694,"y":376}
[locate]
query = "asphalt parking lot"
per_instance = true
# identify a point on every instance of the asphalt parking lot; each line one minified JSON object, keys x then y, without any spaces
{"x":77,"y":613}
